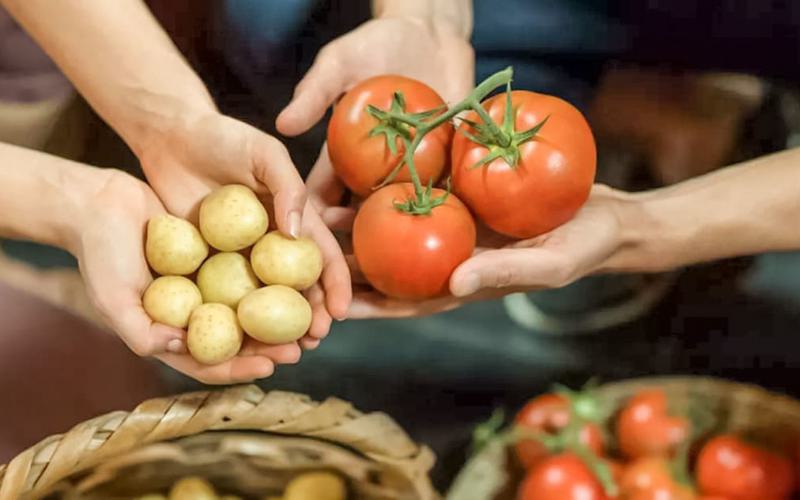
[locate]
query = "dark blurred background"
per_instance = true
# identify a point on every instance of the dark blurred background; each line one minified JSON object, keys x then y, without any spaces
{"x":717,"y":79}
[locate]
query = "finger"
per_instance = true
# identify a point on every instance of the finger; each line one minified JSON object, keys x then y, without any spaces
{"x":375,"y":305}
{"x":320,"y":317}
{"x":339,"y":218}
{"x":309,"y":343}
{"x":274,"y":168}
{"x":335,"y":273}
{"x":319,"y":88}
{"x":282,"y":354}
{"x":234,"y":371}
{"x":356,"y":275}
{"x":323,"y":185}
{"x":523,"y":267}
{"x":143,"y":336}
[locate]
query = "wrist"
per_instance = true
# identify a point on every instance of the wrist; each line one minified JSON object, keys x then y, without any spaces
{"x":448,"y":17}
{"x":153,"y":119}
{"x":653,"y":235}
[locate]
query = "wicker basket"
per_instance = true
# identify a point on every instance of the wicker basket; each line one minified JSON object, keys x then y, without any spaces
{"x":769,"y":418}
{"x":244,"y":440}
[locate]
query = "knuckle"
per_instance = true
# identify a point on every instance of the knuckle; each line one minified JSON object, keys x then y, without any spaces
{"x":503,"y":277}
{"x":141,"y":347}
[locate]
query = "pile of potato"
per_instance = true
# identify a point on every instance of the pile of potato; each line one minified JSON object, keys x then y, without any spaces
{"x":228,"y":296}
{"x":308,"y":486}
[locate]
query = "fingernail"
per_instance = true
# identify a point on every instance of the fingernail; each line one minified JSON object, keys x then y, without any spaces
{"x":293,"y":221}
{"x":175,"y":346}
{"x":469,"y":285}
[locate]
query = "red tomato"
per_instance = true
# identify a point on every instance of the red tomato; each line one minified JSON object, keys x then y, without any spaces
{"x":649,"y":478}
{"x":645,"y":428}
{"x":733,"y":469}
{"x":549,"y":414}
{"x":561,"y":477}
{"x":552,"y":178}
{"x":362,"y":161}
{"x":411,"y":256}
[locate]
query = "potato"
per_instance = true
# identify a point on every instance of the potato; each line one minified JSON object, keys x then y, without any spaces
{"x":232,"y":218}
{"x":316,"y":486}
{"x":192,"y":488}
{"x":152,"y":496}
{"x":225,"y":278}
{"x":275,"y":314}
{"x":214,"y":334}
{"x":230,"y":497}
{"x":171,"y":299}
{"x":279,"y":260}
{"x":174,"y":245}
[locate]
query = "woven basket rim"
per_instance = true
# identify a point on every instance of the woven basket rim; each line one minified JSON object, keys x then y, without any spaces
{"x":243,"y":408}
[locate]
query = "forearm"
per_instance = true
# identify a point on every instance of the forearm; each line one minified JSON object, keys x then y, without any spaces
{"x":454,"y":14}
{"x":43,"y":197}
{"x":120,"y":59}
{"x":746,"y":209}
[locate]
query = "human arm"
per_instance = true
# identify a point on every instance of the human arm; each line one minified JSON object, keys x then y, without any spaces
{"x":99,"y":215}
{"x":151,"y":96}
{"x":744,"y":209}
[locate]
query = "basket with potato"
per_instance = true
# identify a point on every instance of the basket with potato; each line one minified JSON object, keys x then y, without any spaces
{"x":251,"y":285}
{"x":222,"y":445}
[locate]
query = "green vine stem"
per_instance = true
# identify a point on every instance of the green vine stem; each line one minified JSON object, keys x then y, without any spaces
{"x":394,"y":124}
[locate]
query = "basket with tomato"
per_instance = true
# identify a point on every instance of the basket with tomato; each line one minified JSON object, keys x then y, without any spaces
{"x":674,"y":438}
{"x":520,"y":162}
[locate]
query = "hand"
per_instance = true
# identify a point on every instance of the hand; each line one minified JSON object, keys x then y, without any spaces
{"x":210,"y":150}
{"x":110,"y":249}
{"x":426,"y":51}
{"x":581,"y":247}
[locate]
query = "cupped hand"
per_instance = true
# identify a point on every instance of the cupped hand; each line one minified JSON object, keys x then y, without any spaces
{"x":110,"y":251}
{"x":581,"y":247}
{"x":404,"y":46}
{"x":210,"y":150}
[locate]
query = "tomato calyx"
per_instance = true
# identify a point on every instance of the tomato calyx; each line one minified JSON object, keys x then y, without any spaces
{"x":395,"y":123}
{"x":502,"y":141}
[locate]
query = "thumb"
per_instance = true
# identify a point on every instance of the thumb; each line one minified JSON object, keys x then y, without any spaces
{"x":524,"y":267}
{"x":318,"y":89}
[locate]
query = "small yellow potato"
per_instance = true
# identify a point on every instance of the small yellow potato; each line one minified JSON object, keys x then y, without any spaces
{"x":214,"y":334}
{"x":316,"y":486}
{"x":275,"y":314}
{"x":279,"y":260}
{"x":192,"y":488}
{"x":225,"y":278}
{"x":171,"y":299}
{"x":174,"y":245}
{"x":232,"y":218}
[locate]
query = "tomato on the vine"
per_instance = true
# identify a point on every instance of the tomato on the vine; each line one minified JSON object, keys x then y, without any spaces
{"x":410,"y":256}
{"x":644,"y":426}
{"x":360,"y":145}
{"x":561,"y":477}
{"x":528,"y":174}
{"x":729,"y":467}
{"x":650,"y":478}
{"x":549,"y":414}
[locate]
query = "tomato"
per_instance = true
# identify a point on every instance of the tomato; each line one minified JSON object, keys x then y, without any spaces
{"x":411,"y":256}
{"x":561,"y":477}
{"x":551,"y":179}
{"x":645,"y":428}
{"x":549,"y":414}
{"x":649,"y":478}
{"x":362,"y":161}
{"x":729,"y":467}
